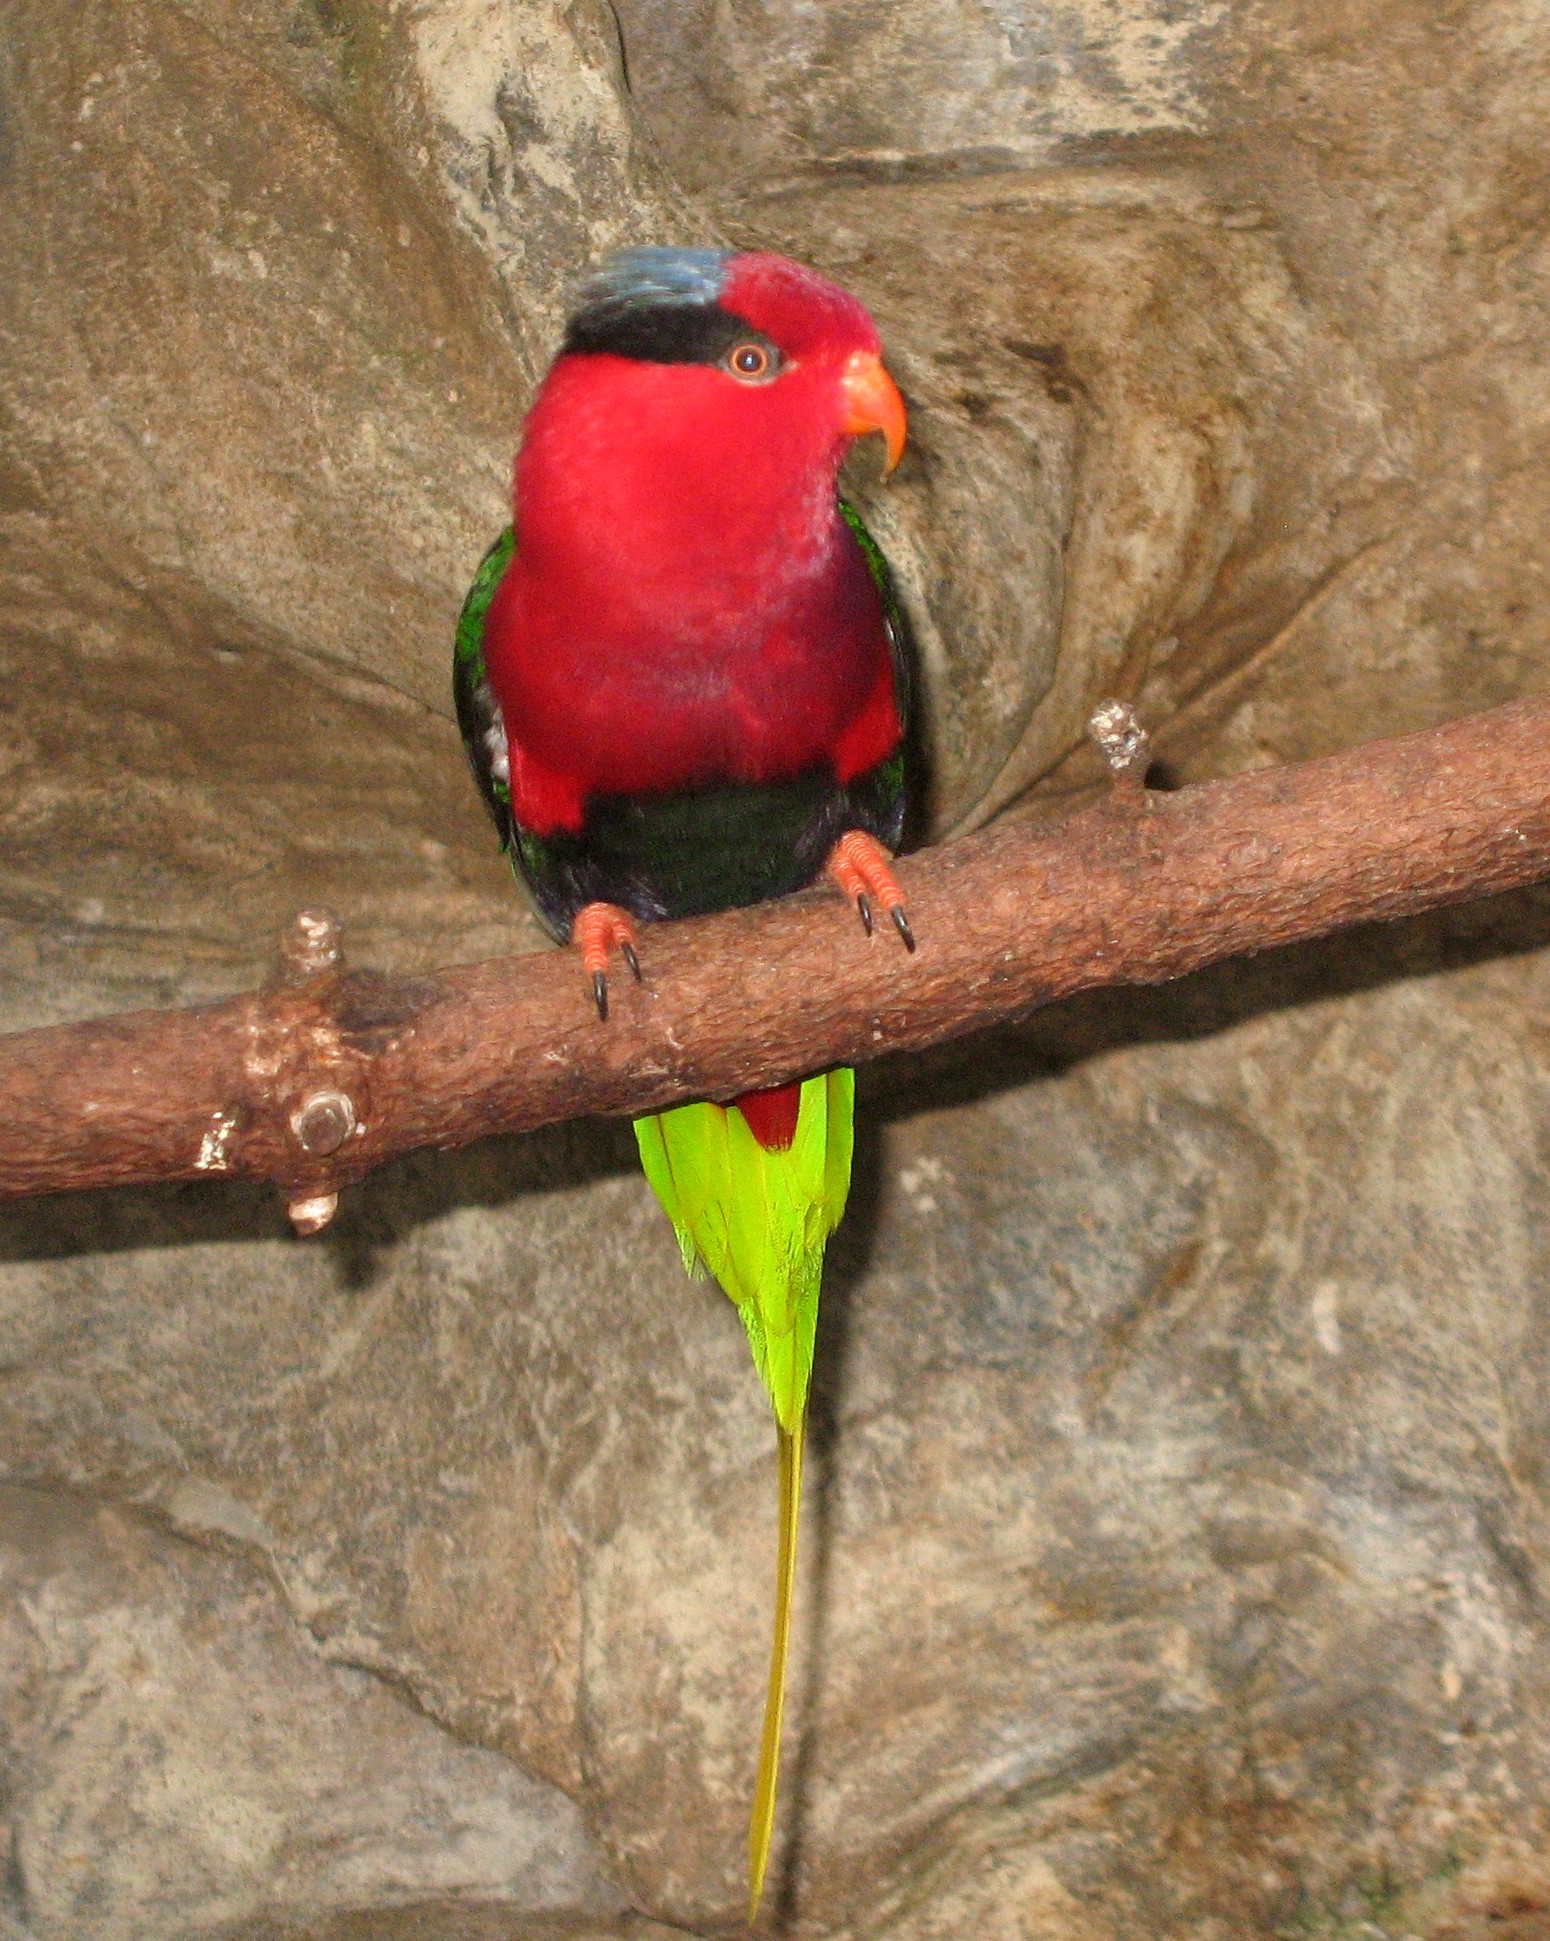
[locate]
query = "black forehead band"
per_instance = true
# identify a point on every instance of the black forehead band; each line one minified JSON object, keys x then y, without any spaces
{"x":658,"y":333}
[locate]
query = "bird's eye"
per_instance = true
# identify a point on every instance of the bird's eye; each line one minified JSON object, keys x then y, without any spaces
{"x":751,"y":362}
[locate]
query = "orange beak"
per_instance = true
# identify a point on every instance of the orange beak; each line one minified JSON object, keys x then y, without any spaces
{"x":872,"y":403}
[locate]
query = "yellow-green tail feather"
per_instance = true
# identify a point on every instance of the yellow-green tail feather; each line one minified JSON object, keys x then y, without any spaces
{"x":757,"y":1220}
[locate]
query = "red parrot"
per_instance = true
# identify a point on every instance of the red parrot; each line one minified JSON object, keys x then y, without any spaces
{"x":681,"y":679}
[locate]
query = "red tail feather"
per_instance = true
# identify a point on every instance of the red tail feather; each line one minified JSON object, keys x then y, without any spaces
{"x":772,"y":1115}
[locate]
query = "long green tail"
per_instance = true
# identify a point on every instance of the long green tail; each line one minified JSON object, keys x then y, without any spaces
{"x":757,"y":1218}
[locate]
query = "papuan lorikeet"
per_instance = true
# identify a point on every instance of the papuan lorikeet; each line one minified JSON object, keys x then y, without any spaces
{"x":681,"y":678}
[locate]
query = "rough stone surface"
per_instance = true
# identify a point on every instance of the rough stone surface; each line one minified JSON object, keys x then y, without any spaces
{"x":180,"y":1757}
{"x":1179,"y":1509}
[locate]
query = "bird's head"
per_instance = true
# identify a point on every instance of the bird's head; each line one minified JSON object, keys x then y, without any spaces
{"x":751,"y":344}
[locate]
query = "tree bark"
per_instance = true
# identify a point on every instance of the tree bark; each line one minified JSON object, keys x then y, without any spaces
{"x":325,"y":1074}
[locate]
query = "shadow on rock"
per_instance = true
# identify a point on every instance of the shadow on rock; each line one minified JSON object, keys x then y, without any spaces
{"x":373,"y":1216}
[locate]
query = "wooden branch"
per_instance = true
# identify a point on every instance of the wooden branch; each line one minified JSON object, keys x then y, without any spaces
{"x":326,"y":1074}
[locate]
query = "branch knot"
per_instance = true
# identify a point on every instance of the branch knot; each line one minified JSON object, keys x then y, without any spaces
{"x":1124,"y":744}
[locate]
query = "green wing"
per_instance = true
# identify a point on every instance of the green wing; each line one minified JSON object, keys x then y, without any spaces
{"x":478,"y":713}
{"x":893,"y":610}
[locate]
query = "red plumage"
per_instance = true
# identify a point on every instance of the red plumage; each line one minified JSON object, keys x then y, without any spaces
{"x":686,"y":605}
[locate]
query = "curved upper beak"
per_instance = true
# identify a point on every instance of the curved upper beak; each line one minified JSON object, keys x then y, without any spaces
{"x":872,"y":403}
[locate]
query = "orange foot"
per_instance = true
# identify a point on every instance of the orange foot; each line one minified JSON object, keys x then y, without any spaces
{"x":598,"y":929}
{"x":864,"y":869}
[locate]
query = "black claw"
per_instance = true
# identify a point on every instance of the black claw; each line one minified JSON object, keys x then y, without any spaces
{"x":600,"y":994}
{"x":627,"y":952}
{"x":865,"y":910}
{"x":901,"y":923}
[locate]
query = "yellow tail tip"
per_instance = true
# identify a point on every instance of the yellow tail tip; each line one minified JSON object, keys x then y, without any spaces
{"x":761,"y":1822}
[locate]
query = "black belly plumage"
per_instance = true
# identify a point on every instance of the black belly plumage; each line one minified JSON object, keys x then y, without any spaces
{"x":710,"y":849}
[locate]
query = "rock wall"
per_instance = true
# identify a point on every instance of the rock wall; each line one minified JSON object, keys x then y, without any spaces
{"x":1178,"y":1510}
